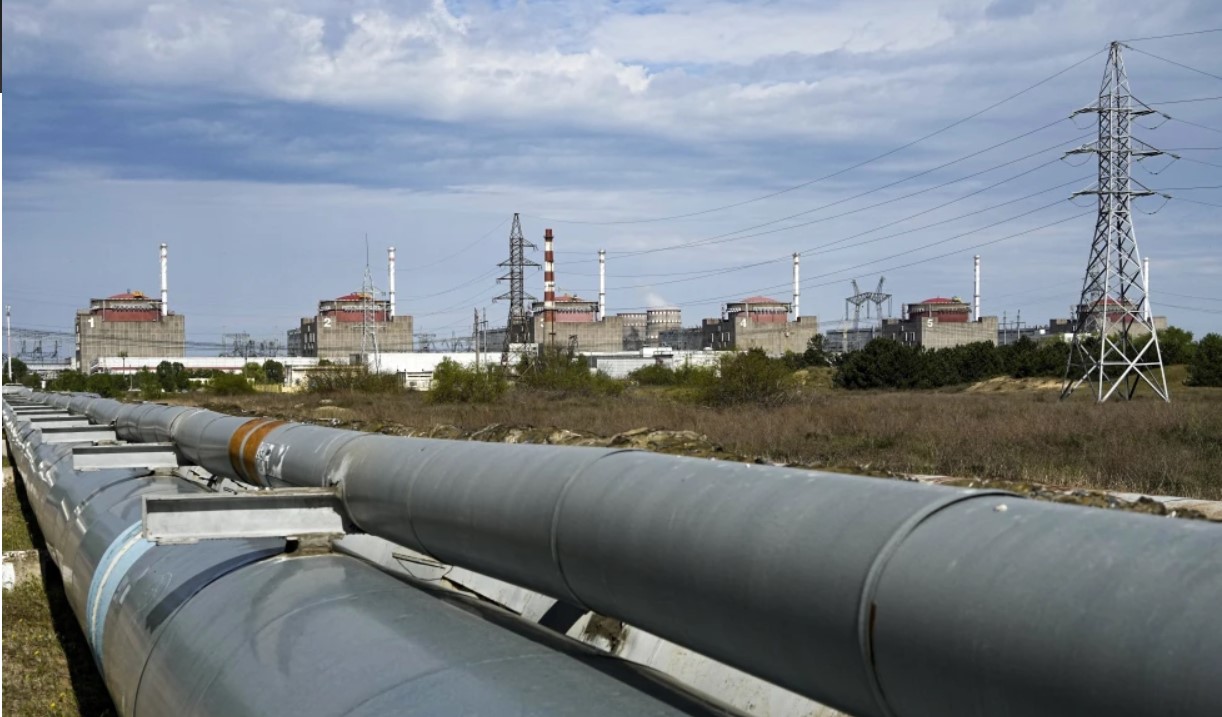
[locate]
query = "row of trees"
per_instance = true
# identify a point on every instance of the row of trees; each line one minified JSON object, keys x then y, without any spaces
{"x":170,"y":378}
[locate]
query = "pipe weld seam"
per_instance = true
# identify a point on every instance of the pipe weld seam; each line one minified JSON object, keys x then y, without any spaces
{"x":554,"y":532}
{"x":865,"y":607}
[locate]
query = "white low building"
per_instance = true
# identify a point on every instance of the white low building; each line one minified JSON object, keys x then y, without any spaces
{"x":227,"y":364}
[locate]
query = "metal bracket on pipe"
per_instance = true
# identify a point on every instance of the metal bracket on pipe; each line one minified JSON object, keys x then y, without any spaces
{"x":132,"y":455}
{"x":78,"y":434}
{"x":56,"y":421}
{"x":299,"y":513}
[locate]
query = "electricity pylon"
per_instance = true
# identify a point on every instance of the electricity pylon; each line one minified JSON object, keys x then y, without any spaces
{"x":1115,"y":346}
{"x":517,"y":331}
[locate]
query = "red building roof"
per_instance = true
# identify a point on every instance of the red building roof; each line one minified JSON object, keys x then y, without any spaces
{"x":129,"y":295}
{"x":940,"y":300}
{"x":759,"y":300}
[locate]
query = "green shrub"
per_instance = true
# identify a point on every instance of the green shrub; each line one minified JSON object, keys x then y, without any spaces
{"x":229,"y":384}
{"x":1206,"y":366}
{"x":352,"y":379}
{"x":453,"y":383}
{"x":749,"y":377}
{"x":557,"y":370}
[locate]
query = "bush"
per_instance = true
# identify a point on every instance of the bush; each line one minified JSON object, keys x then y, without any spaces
{"x":1176,"y":346}
{"x":557,"y":370}
{"x":453,"y":383}
{"x":1206,"y":366}
{"x":749,"y":377}
{"x":173,"y":377}
{"x":273,"y":371}
{"x":356,"y":379}
{"x":229,"y":384}
{"x":654,"y":375}
{"x":107,"y":385}
{"x":70,"y":380}
{"x":149,"y":385}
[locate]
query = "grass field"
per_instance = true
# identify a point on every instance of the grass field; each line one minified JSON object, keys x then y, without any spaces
{"x":1009,"y":430}
{"x":48,"y":667}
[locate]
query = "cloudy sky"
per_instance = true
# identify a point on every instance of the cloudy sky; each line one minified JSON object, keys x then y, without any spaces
{"x":700,"y":143}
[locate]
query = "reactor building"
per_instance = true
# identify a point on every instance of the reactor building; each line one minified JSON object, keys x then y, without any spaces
{"x":940,"y":323}
{"x":350,"y":325}
{"x":130,"y":324}
{"x":354,"y":324}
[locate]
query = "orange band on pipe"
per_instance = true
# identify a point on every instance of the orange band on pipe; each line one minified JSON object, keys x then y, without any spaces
{"x":251,"y":447}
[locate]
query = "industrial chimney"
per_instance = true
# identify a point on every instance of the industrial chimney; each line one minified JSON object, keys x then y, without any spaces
{"x":391,"y":282}
{"x":549,"y":288}
{"x":976,"y":291}
{"x":602,"y":284}
{"x":165,"y":286}
{"x":797,"y":288}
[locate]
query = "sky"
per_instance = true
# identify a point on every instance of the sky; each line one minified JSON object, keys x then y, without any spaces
{"x":701,"y":143}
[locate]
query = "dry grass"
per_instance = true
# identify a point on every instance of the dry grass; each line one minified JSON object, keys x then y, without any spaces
{"x":1013,"y":432}
{"x":48,"y":666}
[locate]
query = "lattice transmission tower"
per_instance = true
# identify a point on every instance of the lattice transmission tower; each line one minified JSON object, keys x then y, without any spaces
{"x":517,"y":330}
{"x":1115,"y":346}
{"x":369,"y":319}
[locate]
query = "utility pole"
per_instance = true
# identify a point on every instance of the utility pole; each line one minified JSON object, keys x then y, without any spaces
{"x":516,"y":329}
{"x":1112,"y":310}
{"x":475,"y":337}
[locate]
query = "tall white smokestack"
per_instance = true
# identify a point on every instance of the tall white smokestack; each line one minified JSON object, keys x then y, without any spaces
{"x":165,"y":285}
{"x":549,"y":288}
{"x":1145,"y":284}
{"x":976,"y":291}
{"x":797,"y":288}
{"x":602,"y":284}
{"x":391,"y":283}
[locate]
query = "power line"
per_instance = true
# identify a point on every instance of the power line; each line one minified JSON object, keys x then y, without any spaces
{"x":484,"y":236}
{"x":1177,"y":34}
{"x":1197,"y":201}
{"x":807,"y":285}
{"x":1179,"y":64}
{"x":825,"y":248}
{"x":1180,"y":102}
{"x":730,"y":236}
{"x":1194,"y":124}
{"x":839,"y":172}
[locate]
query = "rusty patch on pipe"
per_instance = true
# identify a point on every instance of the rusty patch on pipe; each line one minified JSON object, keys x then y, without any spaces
{"x":236,"y":441}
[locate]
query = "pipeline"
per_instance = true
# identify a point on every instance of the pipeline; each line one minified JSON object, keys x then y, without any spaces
{"x":245,"y":627}
{"x":876,"y":597}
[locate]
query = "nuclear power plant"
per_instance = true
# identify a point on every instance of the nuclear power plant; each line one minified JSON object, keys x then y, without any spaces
{"x":130,"y":325}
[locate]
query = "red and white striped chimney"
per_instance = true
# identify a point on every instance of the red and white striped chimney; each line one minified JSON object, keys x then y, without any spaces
{"x":549,"y":288}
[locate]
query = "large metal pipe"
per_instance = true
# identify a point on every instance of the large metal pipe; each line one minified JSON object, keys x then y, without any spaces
{"x":391,"y":278}
{"x":242,"y":627}
{"x":165,"y":284}
{"x":877,"y":597}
